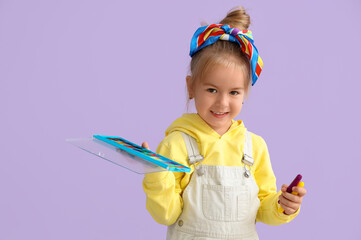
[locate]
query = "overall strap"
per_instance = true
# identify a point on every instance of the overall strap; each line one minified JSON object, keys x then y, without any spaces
{"x":247,"y":154}
{"x":193,"y":153}
{"x":247,"y":149}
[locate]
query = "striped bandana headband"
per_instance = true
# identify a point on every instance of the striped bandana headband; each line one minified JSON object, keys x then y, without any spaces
{"x":207,"y":35}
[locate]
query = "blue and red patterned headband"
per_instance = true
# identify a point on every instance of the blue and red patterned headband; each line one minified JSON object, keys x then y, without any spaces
{"x":207,"y":35}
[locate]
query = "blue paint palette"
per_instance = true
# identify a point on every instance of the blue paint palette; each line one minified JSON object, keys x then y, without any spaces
{"x":127,"y":154}
{"x":136,"y":150}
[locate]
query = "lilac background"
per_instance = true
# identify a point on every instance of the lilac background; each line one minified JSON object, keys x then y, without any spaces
{"x":71,"y":69}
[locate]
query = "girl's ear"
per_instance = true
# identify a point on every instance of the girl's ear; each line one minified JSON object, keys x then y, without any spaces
{"x":189,"y":86}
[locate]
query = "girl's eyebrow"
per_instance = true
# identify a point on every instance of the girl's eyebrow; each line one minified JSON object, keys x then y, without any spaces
{"x":210,"y":85}
{"x":214,"y":86}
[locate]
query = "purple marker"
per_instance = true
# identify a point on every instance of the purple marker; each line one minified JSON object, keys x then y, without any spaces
{"x":294,"y":183}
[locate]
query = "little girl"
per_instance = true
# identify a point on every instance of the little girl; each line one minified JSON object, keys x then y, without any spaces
{"x":231,"y":184}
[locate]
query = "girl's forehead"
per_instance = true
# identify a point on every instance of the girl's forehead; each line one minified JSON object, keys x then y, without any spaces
{"x":223,"y":70}
{"x":221,"y":75}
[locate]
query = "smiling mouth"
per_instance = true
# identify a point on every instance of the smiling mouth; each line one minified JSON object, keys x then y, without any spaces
{"x":219,"y":114}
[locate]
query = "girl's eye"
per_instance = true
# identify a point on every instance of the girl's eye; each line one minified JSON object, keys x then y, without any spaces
{"x":234,"y":93}
{"x":211,"y":90}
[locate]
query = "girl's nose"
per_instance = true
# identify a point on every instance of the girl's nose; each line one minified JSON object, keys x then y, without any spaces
{"x":222,"y":100}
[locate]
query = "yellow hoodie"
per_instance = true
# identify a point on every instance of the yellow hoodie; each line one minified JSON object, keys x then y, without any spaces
{"x":164,"y":190}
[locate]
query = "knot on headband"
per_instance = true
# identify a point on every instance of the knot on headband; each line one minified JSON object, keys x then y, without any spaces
{"x":207,"y":35}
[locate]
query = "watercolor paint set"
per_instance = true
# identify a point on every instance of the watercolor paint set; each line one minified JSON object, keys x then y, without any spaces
{"x":127,"y":154}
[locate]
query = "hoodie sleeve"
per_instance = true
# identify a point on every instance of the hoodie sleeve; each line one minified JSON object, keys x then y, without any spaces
{"x":164,"y":189}
{"x":266,"y":181}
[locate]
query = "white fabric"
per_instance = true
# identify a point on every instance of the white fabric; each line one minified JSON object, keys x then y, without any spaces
{"x":192,"y":149}
{"x":247,"y":150}
{"x":220,"y":204}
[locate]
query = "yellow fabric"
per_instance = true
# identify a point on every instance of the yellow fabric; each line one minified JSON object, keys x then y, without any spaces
{"x":164,"y":190}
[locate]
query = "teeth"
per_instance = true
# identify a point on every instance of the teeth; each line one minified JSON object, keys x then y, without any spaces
{"x":219,"y":113}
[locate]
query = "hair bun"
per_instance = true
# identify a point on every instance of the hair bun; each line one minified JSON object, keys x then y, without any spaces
{"x":237,"y":18}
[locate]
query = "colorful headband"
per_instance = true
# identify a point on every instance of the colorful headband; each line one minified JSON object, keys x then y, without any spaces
{"x":207,"y":35}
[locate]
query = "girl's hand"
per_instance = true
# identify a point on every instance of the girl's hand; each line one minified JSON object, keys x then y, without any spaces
{"x":156,"y":176}
{"x":291,"y":202}
{"x":145,"y":145}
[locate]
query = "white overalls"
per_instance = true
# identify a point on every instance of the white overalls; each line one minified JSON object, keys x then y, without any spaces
{"x":220,"y":202}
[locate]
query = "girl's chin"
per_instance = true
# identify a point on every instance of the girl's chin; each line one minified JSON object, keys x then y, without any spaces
{"x":219,"y":123}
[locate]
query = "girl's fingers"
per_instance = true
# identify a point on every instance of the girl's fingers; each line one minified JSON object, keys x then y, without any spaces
{"x":292,"y":198}
{"x":288,"y":203}
{"x":291,"y":202}
{"x":284,"y":187}
{"x":300,"y":191}
{"x":288,"y":206}
{"x":145,"y":145}
{"x":288,"y":210}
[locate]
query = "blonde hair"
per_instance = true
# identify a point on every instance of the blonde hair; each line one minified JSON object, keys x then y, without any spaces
{"x":226,"y":53}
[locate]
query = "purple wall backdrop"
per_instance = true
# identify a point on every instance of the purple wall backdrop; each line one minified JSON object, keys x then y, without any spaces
{"x":71,"y":69}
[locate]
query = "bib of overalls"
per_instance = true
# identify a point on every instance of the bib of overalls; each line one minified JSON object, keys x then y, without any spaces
{"x":220,"y":203}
